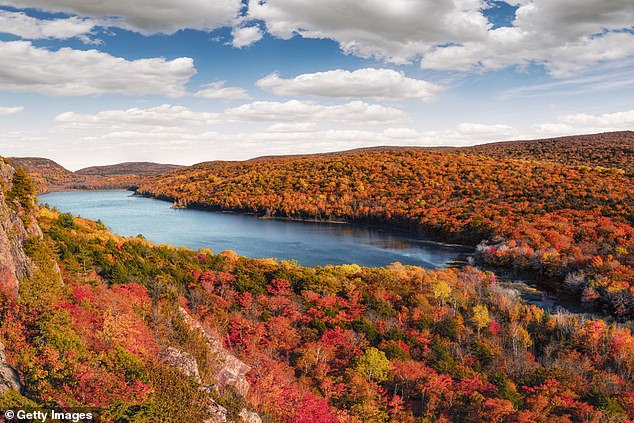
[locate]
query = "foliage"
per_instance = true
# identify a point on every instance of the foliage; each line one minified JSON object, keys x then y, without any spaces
{"x":396,"y":344}
{"x":374,"y":365}
{"x":552,"y":220}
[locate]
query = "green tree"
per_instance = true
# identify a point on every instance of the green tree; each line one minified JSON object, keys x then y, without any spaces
{"x":374,"y":365}
{"x":22,"y":189}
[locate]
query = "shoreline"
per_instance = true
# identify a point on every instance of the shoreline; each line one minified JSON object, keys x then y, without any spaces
{"x":406,"y":230}
{"x":533,"y":289}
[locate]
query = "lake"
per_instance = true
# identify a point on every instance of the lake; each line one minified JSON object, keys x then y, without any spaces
{"x":310,"y":244}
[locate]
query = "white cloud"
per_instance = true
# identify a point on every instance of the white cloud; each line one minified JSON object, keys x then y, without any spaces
{"x":485,"y":130}
{"x":6,"y":111}
{"x":398,"y":30}
{"x":245,"y":36}
{"x":18,"y":23}
{"x":368,"y":82}
{"x":145,"y":16}
{"x":355,"y":112}
{"x":176,"y":134}
{"x":288,"y":116}
{"x":564,"y":36}
{"x":511,"y":46}
{"x":161,"y":116}
{"x":618,"y":120}
{"x":217,"y":91}
{"x":293,"y":127}
{"x":584,"y":123}
{"x":68,"y":72}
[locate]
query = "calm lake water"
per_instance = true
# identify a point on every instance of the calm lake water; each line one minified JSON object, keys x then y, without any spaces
{"x":311,"y":244}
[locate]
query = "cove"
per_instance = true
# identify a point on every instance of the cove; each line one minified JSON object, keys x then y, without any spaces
{"x":309,"y":243}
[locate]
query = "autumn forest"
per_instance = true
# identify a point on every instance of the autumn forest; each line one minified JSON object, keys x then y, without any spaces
{"x":146,"y":333}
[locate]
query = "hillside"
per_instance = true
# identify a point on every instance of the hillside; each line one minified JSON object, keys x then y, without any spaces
{"x":128,"y":168}
{"x":569,"y":225}
{"x":153,"y":333}
{"x":49,"y":175}
{"x":612,"y":149}
{"x":45,"y":172}
{"x":609,"y":149}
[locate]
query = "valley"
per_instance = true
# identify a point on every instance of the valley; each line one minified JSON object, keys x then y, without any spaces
{"x":135,"y":327}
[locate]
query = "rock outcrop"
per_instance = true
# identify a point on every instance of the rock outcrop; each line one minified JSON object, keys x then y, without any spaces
{"x":9,"y":378}
{"x":230,"y":371}
{"x":14,"y":263}
{"x":184,"y":362}
{"x":249,"y":416}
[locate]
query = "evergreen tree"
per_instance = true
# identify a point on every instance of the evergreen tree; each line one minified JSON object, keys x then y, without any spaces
{"x":22,"y":190}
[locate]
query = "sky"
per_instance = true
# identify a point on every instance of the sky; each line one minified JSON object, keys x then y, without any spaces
{"x":89,"y":82}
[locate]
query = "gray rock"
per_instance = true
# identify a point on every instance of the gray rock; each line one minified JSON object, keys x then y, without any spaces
{"x":182,"y":361}
{"x":247,"y":416}
{"x":217,"y":412}
{"x":14,"y":263}
{"x":9,"y":377}
{"x":229,"y":371}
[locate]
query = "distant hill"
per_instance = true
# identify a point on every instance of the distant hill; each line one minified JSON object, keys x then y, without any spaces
{"x":45,"y":172}
{"x":49,"y":175}
{"x":128,"y":168}
{"x":610,"y":149}
{"x":49,"y":170}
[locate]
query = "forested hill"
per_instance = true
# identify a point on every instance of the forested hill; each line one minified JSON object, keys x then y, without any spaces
{"x":146,"y":333}
{"x":611,"y":149}
{"x":128,"y":168}
{"x":570,"y":224}
{"x":49,"y":175}
{"x":44,"y":172}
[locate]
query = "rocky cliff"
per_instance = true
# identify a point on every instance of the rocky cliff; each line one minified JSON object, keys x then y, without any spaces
{"x":230,"y":371}
{"x":16,"y":226}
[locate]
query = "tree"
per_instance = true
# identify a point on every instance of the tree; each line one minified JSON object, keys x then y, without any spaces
{"x":374,"y":365}
{"x":481,"y":317}
{"x":22,"y":189}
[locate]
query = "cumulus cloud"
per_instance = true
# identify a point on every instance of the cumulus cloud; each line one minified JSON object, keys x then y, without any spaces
{"x":355,"y":112}
{"x":6,"y":111}
{"x":511,"y":46}
{"x":398,"y":30}
{"x":245,"y":36}
{"x":145,"y":16}
{"x":161,"y":116}
{"x":618,"y":120}
{"x":580,"y":123}
{"x":564,"y":36}
{"x":24,"y":26}
{"x":369,"y":82}
{"x":177,"y":134}
{"x":68,"y":72}
{"x":218,"y":91}
{"x":288,"y":115}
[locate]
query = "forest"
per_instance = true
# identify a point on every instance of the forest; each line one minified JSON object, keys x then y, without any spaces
{"x":329,"y":344}
{"x":569,"y":225}
{"x":144,"y":333}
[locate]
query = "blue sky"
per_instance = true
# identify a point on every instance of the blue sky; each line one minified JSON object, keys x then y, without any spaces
{"x":185,"y":81}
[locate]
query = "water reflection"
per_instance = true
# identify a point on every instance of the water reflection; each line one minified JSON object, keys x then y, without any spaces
{"x":311,"y":244}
